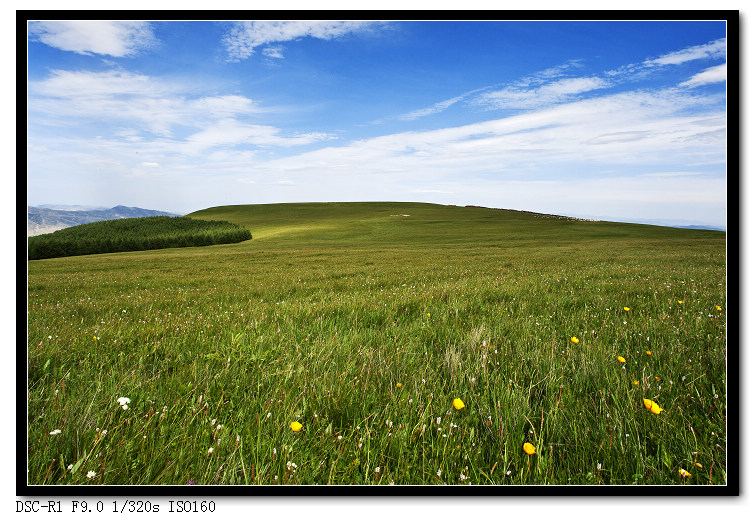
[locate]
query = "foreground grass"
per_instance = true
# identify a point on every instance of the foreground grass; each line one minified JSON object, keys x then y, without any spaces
{"x":364,"y":327}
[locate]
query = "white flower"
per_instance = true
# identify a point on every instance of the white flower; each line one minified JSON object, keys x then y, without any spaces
{"x":220,"y":426}
{"x":124,"y":401}
{"x":437,"y":421}
{"x":124,"y":407}
{"x":104,"y":432}
{"x":212,"y":423}
{"x":438,"y":473}
{"x":70,"y":466}
{"x":377,"y":470}
{"x":600,"y":466}
{"x":210,"y":451}
{"x":91,"y":474}
{"x":55,"y":432}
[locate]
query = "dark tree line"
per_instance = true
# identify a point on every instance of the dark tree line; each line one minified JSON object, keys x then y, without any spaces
{"x":134,"y":234}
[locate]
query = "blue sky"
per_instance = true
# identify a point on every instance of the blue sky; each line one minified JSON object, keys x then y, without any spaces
{"x":610,"y":120}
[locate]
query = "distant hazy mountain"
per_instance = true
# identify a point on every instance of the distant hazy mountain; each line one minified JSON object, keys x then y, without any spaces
{"x":45,"y":220}
{"x":72,"y":207}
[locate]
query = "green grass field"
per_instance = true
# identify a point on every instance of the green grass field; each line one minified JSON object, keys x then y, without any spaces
{"x":363,"y":322}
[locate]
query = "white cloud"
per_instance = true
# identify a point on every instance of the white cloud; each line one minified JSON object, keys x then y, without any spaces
{"x":518,"y":97}
{"x":708,"y":76}
{"x":245,"y":36}
{"x":274,"y":52}
{"x":225,"y":106}
{"x":150,"y":164}
{"x":106,"y":37}
{"x":641,"y":130}
{"x":549,"y":74}
{"x":230,"y":132}
{"x":435,"y":108}
{"x":712,"y":50}
{"x":125,"y":98}
{"x":65,"y":83}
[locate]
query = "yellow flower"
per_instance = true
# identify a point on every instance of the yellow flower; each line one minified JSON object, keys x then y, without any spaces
{"x":296,"y":426}
{"x":398,"y":384}
{"x":652,"y":406}
{"x":649,"y":352}
{"x":684,"y":473}
{"x":529,"y":449}
{"x":699,"y":465}
{"x":458,"y":404}
{"x":635,"y":382}
{"x":657,"y":379}
{"x":680,"y":302}
{"x":718,"y":308}
{"x":575,"y":340}
{"x":626,"y":308}
{"x":621,"y":359}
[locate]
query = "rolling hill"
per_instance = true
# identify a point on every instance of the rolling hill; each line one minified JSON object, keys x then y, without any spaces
{"x":422,"y":224}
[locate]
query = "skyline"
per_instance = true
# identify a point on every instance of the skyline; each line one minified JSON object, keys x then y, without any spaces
{"x":609,"y":120}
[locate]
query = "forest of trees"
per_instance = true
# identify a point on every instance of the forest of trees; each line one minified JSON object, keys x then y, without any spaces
{"x":134,"y":234}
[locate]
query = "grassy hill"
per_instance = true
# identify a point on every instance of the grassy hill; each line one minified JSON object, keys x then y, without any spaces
{"x":364,"y":322}
{"x":422,"y":224}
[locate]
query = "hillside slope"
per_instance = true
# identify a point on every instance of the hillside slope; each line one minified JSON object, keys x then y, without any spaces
{"x":420,"y":224}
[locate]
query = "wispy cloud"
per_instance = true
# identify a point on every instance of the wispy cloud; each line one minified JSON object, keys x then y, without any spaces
{"x":708,"y":76}
{"x":274,"y":52}
{"x":637,"y":71}
{"x":230,"y":133}
{"x":712,"y":50}
{"x":244,"y":37}
{"x":522,"y":97}
{"x":632,"y":128}
{"x":80,"y":97}
{"x":435,"y":108}
{"x":105,"y":37}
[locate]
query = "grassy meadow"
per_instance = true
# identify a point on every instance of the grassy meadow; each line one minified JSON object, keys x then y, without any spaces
{"x":363,"y":322}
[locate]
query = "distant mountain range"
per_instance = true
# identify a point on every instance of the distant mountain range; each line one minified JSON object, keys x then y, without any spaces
{"x":44,"y":219}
